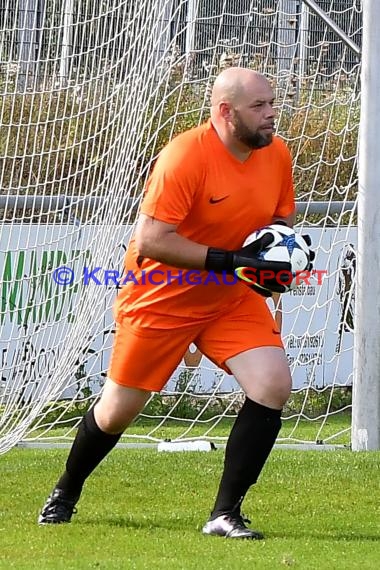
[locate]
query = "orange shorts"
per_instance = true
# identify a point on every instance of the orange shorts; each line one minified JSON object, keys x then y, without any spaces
{"x":145,"y":358}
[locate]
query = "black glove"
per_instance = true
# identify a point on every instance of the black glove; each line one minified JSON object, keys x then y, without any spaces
{"x":245,"y":264}
{"x":307,"y":239}
{"x":261,"y":290}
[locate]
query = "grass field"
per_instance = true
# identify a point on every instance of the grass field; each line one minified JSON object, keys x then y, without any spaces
{"x":144,"y":510}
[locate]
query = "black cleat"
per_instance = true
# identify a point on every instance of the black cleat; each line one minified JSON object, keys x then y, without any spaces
{"x":231,"y":526}
{"x":58,"y":508}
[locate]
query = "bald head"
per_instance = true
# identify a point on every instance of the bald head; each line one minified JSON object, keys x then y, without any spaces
{"x":236,"y":84}
{"x":242,"y":108}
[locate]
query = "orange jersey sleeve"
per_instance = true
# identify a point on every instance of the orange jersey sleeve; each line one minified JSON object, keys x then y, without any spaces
{"x":174,"y":181}
{"x":286,"y":202}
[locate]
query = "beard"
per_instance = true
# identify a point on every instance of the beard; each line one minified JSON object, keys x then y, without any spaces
{"x":252,"y":139}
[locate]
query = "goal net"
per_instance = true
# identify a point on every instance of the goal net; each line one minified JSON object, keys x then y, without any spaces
{"x":89,"y":94}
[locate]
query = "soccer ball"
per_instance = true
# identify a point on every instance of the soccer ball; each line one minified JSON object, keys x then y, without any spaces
{"x":287,"y":246}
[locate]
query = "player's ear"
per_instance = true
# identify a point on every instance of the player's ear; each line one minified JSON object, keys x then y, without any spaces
{"x":225,"y":110}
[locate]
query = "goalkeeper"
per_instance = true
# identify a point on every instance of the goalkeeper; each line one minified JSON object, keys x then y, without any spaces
{"x":210,"y":187}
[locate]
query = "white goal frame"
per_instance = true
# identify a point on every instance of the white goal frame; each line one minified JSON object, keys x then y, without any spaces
{"x":366,"y":385}
{"x":30,"y":76}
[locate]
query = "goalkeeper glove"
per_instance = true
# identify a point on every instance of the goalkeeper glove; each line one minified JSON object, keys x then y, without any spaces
{"x":246,"y":260}
{"x":307,"y":240}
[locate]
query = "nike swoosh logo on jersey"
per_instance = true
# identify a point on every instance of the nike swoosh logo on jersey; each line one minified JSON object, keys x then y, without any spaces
{"x":216,"y":200}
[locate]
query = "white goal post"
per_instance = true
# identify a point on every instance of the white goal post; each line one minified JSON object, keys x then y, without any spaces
{"x":89,"y":94}
{"x":366,"y":403}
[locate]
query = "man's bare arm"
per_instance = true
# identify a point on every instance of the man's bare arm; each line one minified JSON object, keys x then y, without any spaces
{"x":160,"y":241}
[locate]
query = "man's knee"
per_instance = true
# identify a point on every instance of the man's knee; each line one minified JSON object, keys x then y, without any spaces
{"x":118,"y":407}
{"x":270,"y":391}
{"x":264,"y":375}
{"x":280,"y":390}
{"x":110,"y":421}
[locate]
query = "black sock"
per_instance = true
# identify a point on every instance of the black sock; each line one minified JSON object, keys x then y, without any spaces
{"x":248,"y":447}
{"x":90,"y":446}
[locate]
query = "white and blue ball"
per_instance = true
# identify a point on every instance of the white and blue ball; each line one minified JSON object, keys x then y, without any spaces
{"x":287,"y":246}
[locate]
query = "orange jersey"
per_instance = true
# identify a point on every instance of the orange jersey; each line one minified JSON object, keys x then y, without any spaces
{"x":215,"y":200}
